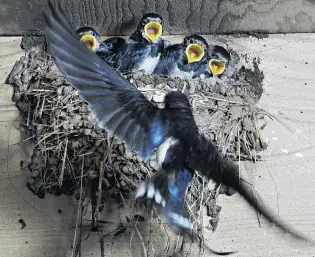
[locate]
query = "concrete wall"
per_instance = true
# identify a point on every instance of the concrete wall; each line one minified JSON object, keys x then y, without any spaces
{"x":119,"y":17}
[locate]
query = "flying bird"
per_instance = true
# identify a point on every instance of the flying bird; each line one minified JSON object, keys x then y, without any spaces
{"x":141,"y":52}
{"x":183,"y":60}
{"x":130,"y":117}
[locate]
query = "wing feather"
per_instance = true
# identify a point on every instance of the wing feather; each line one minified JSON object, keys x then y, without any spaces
{"x":115,"y":103}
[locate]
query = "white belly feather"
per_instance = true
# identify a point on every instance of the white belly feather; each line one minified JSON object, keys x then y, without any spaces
{"x":181,"y":74}
{"x":162,"y":150}
{"x":148,"y":64}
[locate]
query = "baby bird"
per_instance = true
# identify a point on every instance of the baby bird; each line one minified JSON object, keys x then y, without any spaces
{"x":183,"y":60}
{"x":150,"y":30}
{"x":141,"y":51}
{"x":216,"y":62}
{"x":90,"y":38}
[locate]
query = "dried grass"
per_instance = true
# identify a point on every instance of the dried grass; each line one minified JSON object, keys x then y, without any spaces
{"x":73,"y":155}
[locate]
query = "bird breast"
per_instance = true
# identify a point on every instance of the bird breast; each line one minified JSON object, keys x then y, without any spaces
{"x":149,"y":63}
{"x":181,"y":74}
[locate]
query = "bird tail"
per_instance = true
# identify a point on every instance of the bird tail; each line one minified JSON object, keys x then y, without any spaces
{"x":206,"y":159}
{"x":166,"y":191}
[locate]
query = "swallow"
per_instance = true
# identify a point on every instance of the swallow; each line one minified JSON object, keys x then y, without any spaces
{"x":149,"y":30}
{"x":90,"y":38}
{"x":111,"y":47}
{"x":216,"y":62}
{"x":183,"y":60}
{"x":141,"y":51}
{"x":131,"y":118}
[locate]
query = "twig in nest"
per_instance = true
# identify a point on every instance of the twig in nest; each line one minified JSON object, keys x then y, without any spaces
{"x":93,"y":189}
{"x":177,"y":243}
{"x":228,"y":101}
{"x":239,"y":152}
{"x":200,"y":207}
{"x":62,"y":172}
{"x":167,"y":247}
{"x":77,"y":243}
{"x":145,"y":254}
{"x":99,"y":193}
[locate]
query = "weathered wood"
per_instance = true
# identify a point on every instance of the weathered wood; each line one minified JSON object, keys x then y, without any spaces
{"x":119,"y":17}
{"x":285,"y":180}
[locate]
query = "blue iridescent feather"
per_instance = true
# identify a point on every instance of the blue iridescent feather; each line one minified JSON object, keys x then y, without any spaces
{"x":178,"y":188}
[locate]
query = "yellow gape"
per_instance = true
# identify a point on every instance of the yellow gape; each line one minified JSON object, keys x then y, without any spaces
{"x":89,"y":41}
{"x":194,"y":52}
{"x":217,"y":67}
{"x":153,"y":30}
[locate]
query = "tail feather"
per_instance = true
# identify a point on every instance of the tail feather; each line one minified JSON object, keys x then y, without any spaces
{"x":206,"y":159}
{"x":166,"y":190}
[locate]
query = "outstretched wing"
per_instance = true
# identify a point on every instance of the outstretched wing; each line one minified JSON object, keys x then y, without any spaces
{"x":116,"y":104}
{"x":205,"y":158}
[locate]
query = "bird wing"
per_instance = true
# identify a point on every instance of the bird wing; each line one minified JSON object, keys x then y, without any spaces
{"x":116,"y":104}
{"x":205,"y":158}
{"x":168,"y":60}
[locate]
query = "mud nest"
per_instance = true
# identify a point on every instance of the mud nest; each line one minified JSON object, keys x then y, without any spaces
{"x":70,"y":149}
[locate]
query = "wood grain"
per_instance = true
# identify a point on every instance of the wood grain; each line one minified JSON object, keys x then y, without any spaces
{"x":285,"y":180}
{"x":119,"y":17}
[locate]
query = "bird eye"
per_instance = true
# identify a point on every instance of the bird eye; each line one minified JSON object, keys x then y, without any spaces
{"x":109,"y":45}
{"x":191,"y":41}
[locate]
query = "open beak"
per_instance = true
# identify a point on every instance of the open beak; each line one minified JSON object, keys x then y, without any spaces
{"x":217,"y":67}
{"x":194,"y":52}
{"x":153,"y":30}
{"x":89,"y":41}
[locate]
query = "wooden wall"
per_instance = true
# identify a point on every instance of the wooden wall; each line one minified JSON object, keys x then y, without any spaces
{"x":119,"y":17}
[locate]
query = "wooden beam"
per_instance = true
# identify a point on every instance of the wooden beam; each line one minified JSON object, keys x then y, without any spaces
{"x":119,"y":17}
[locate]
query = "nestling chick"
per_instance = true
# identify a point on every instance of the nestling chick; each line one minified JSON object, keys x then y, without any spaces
{"x":216,"y":62}
{"x":141,"y":51}
{"x":183,"y":60}
{"x":90,"y":38}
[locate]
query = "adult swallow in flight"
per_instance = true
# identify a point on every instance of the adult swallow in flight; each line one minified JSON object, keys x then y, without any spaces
{"x":130,"y":117}
{"x":90,"y":38}
{"x":216,"y":62}
{"x":141,"y":51}
{"x":183,"y":60}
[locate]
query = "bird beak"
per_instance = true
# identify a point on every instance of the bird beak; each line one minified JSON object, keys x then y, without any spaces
{"x":89,"y":41}
{"x":194,"y":52}
{"x":217,"y":67}
{"x":153,"y":30}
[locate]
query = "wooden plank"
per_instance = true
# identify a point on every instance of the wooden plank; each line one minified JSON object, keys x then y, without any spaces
{"x":285,"y":179}
{"x":112,"y":17}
